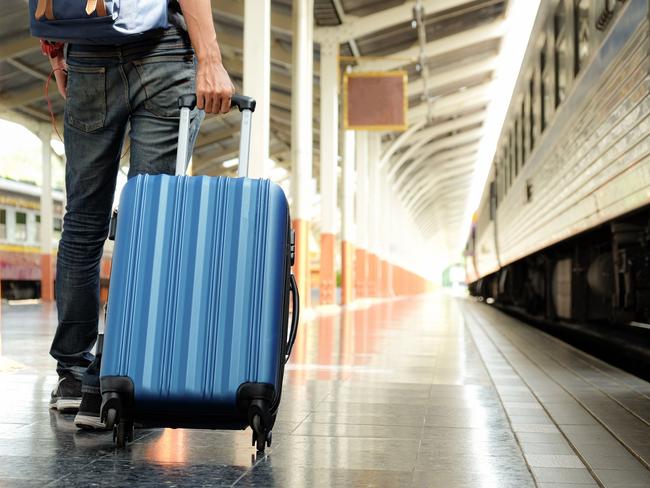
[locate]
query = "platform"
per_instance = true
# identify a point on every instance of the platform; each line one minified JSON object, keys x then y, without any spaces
{"x":424,"y":392}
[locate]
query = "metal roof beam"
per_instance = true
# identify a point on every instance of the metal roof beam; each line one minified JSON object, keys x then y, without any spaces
{"x":278,"y":54}
{"x":432,"y":162}
{"x":450,"y":104}
{"x":457,"y":183}
{"x":440,"y":80}
{"x":24,"y":97}
{"x":415,"y":193}
{"x":235,"y":9}
{"x":438,"y":47}
{"x":425,"y":135}
{"x":207,"y":165}
{"x":355,"y":27}
{"x":17,"y":47}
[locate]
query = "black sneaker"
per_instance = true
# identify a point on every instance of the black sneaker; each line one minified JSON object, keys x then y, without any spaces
{"x":66,"y":397}
{"x":88,"y":417}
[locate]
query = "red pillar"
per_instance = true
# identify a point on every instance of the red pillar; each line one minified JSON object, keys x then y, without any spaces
{"x":361,"y":273}
{"x":327,"y":269}
{"x":47,"y":278}
{"x":347,"y":272}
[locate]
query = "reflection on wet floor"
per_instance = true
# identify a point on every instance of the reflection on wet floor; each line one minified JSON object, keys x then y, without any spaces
{"x":412,"y":392}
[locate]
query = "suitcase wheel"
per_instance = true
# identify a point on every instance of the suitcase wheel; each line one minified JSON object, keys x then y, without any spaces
{"x":122,"y":433}
{"x":111,"y":418}
{"x":260,"y":436}
{"x":122,"y":429}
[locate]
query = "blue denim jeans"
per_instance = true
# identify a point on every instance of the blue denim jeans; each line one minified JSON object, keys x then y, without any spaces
{"x":111,"y":89}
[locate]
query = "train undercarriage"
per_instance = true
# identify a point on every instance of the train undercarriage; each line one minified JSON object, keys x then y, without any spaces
{"x":600,"y":276}
{"x":592,"y":291}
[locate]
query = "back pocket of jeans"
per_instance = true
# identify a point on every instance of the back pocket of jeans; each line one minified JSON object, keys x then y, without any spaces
{"x":85,"y":107}
{"x":164,"y":79}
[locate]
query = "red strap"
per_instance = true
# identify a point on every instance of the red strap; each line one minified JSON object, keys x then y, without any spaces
{"x":51,"y":49}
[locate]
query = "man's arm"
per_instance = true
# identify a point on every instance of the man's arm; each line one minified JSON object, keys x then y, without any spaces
{"x":54,"y":52}
{"x":213,"y":86}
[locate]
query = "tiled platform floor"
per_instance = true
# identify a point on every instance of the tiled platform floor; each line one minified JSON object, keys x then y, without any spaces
{"x":426,"y":392}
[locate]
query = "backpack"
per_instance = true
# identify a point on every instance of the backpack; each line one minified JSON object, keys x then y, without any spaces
{"x":96,"y":21}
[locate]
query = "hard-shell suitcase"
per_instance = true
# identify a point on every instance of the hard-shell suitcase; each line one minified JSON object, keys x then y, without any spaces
{"x":197,"y":328}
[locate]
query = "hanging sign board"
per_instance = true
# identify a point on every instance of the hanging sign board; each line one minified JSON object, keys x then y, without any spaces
{"x":376,"y":101}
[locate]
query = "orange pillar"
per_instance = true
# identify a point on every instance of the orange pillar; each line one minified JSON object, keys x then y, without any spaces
{"x":301,"y":264}
{"x":47,"y":278}
{"x":327,"y":269}
{"x":372,"y":275}
{"x":384,"y":278}
{"x":361,"y":273}
{"x":347,"y":272}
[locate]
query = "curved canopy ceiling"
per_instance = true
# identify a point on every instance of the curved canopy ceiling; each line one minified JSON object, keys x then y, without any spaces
{"x":451,"y":68}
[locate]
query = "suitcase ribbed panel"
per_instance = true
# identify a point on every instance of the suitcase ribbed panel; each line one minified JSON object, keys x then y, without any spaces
{"x":197,"y":290}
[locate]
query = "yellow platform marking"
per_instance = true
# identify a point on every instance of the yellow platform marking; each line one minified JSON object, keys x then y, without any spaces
{"x":18,"y":248}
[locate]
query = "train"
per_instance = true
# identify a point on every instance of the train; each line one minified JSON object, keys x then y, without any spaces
{"x":562,"y":231}
{"x":20,"y":244}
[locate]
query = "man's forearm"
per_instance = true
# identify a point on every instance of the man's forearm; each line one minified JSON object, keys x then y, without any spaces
{"x":213,"y":86}
{"x":198,"y":17}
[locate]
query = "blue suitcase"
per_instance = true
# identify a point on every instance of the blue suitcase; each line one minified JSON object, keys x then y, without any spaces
{"x":197,"y":330}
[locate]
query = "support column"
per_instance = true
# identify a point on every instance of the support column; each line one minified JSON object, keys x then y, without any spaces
{"x":361,"y":216}
{"x":347,"y":231}
{"x":374,"y":197}
{"x":47,"y":262}
{"x":329,"y":144}
{"x":301,"y":138}
{"x":385,"y":233}
{"x":257,"y":79}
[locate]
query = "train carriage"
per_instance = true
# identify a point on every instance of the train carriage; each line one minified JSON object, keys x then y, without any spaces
{"x":563,"y":227}
{"x":20,"y":242}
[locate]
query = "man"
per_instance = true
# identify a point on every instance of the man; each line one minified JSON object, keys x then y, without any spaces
{"x":107,"y":89}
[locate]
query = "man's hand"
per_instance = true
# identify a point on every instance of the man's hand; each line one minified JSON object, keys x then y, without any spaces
{"x":213,"y":87}
{"x":60,"y":74}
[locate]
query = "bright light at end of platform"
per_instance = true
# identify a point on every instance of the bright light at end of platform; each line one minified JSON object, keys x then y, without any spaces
{"x":519,"y":23}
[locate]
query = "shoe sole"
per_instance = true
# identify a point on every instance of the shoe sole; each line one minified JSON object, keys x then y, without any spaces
{"x":66,"y":405}
{"x":89,"y":422}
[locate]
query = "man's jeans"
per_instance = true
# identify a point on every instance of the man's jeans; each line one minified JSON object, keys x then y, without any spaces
{"x":109,"y":89}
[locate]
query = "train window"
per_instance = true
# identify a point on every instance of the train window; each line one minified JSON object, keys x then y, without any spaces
{"x":525,"y":119}
{"x":513,"y":156}
{"x":607,"y":9}
{"x":3,"y":223}
{"x":561,"y":55}
{"x":532,"y":112}
{"x":37,"y":232}
{"x":500,"y":187}
{"x":515,"y":151}
{"x":506,"y":168}
{"x":582,"y":33}
{"x":20,"y":231}
{"x":546,"y":86}
{"x":57,"y":227}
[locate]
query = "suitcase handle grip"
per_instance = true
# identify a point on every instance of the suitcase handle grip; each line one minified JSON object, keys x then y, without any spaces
{"x":295,"y":316}
{"x":242,"y":102}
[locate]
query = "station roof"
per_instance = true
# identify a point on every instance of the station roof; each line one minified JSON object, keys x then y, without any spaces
{"x":433,"y":162}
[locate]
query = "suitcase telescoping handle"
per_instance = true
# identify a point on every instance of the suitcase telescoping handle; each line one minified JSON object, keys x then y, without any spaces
{"x":246,"y":106}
